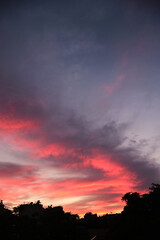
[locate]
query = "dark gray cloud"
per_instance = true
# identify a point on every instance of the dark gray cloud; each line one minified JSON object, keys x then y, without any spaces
{"x":108,"y":141}
{"x":12,"y":170}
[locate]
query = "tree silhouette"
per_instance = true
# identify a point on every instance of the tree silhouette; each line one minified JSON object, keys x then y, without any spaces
{"x":139,"y":220}
{"x":30,"y":209}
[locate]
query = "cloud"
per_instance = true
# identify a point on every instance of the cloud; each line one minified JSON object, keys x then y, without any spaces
{"x":59,"y":139}
{"x":116,"y":84}
{"x":98,"y":165}
{"x":11,"y":170}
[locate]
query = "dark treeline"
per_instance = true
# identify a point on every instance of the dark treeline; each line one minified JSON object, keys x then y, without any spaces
{"x":140,"y":219}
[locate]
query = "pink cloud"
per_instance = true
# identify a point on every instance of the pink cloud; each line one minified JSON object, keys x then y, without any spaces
{"x":116,"y":84}
{"x":90,"y":158}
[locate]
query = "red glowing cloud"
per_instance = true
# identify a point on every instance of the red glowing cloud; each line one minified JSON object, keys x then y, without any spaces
{"x":66,"y":161}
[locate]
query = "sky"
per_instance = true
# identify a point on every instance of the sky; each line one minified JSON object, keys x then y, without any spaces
{"x":79,"y":102}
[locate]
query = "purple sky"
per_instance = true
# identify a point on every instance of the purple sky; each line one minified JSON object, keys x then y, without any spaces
{"x":79,"y":101}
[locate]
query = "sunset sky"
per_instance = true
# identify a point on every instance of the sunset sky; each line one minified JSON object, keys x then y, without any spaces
{"x":79,"y":102}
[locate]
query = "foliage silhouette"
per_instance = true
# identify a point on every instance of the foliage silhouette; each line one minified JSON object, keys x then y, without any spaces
{"x":139,"y":220}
